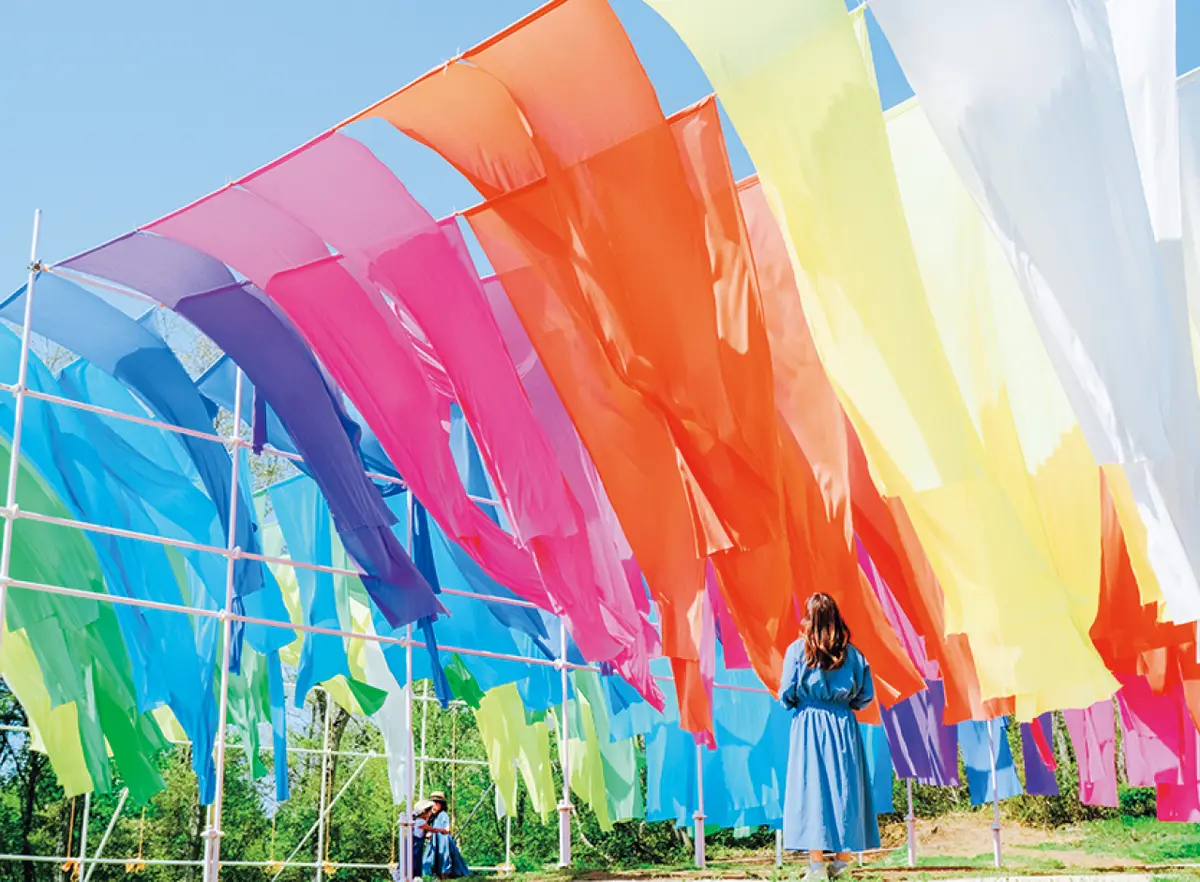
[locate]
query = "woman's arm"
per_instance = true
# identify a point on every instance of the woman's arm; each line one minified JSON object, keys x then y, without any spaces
{"x":787,"y":678}
{"x":865,"y":692}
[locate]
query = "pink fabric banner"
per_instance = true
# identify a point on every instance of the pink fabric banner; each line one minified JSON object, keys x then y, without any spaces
{"x":732,"y":647}
{"x":367,"y":354}
{"x":897,"y":619}
{"x":1094,"y":736}
{"x":622,"y":595}
{"x":1153,"y":732}
{"x":1181,"y":802}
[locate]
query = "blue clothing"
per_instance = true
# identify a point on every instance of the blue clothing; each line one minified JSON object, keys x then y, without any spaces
{"x":827,"y":803}
{"x":442,"y":857}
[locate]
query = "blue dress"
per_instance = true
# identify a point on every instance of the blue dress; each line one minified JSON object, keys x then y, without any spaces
{"x":442,"y":859}
{"x":827,"y":801}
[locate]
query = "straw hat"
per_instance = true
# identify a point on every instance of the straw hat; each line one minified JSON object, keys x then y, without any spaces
{"x":423,"y":806}
{"x":438,"y":796}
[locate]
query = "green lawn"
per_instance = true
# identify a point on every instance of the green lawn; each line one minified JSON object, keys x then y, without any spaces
{"x":1142,"y":839}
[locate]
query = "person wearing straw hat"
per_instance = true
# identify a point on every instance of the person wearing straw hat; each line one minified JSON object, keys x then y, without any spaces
{"x":421,"y":812}
{"x":442,"y":859}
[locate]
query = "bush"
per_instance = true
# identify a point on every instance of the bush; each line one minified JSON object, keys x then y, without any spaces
{"x":1138,"y":802}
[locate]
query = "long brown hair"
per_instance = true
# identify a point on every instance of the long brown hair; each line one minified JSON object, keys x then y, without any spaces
{"x":826,"y":634}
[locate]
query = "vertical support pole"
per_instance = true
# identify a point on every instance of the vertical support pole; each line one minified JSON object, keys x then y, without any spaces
{"x":86,"y":877}
{"x":912,"y":827}
{"x":424,"y":730}
{"x":995,"y":794}
{"x":321,"y":819}
{"x":83,"y":833}
{"x":14,"y":461}
{"x":508,"y":864}
{"x":407,"y":817}
{"x":779,"y":848}
{"x":698,"y":815}
{"x":508,"y":869}
{"x":564,"y":808}
{"x":212,"y":861}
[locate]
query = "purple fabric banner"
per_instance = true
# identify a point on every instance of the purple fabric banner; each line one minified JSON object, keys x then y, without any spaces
{"x":252,"y":331}
{"x":922,"y":746}
{"x":1039,"y":776}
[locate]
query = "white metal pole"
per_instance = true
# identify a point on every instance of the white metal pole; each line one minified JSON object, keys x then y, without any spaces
{"x":912,"y":826}
{"x":779,"y":848}
{"x":508,"y":864}
{"x":14,"y":454}
{"x":564,"y":807}
{"x":83,"y":834}
{"x":212,"y":867}
{"x":407,"y":818}
{"x":698,"y":815}
{"x":321,"y":819}
{"x":995,"y":795}
{"x":316,"y":824}
{"x":424,"y":730}
{"x":104,"y":839}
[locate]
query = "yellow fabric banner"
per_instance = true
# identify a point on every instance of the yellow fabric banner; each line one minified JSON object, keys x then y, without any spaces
{"x":1009,"y":539}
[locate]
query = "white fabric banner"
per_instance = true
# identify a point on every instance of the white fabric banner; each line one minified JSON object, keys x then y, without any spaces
{"x":1189,"y":158}
{"x":392,"y":719}
{"x":1027,"y":98}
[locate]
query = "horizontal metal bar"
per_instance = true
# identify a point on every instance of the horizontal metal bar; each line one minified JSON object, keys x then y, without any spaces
{"x":89,"y":527}
{"x":225,"y":440}
{"x":163,"y":862}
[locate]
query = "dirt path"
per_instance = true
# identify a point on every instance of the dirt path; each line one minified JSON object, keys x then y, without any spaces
{"x":968,"y":836}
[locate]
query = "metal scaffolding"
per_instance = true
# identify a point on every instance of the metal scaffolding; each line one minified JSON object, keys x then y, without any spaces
{"x":228,"y":616}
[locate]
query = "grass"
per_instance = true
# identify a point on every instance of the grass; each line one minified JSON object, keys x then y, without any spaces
{"x":1012,"y":861}
{"x":1142,"y":840}
{"x":1147,"y":841}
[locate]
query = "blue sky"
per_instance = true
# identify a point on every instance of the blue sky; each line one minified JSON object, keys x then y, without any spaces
{"x":118,"y":112}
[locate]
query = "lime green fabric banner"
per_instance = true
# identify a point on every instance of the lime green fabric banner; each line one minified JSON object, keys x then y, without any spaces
{"x":80,"y":656}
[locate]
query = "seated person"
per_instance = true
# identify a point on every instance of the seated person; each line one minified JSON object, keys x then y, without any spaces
{"x":442,"y":859}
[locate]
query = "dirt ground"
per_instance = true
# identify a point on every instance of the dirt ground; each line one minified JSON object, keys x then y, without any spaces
{"x":958,"y":846}
{"x":969,"y":835}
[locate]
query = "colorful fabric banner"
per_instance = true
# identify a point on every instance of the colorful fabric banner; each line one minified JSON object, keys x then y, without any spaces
{"x":1189,"y":159}
{"x":922,"y":747}
{"x":818,"y":451}
{"x":264,"y":243}
{"x":1094,"y":737}
{"x":1033,"y":446}
{"x":980,"y":742}
{"x":1046,"y":150}
{"x":873,"y":325}
{"x":1037,"y":751}
{"x":612,"y":222}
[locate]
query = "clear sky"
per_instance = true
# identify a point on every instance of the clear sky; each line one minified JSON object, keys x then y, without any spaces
{"x":117,"y":112}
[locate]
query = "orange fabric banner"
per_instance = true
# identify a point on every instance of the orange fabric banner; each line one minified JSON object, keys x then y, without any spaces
{"x":584,"y":175}
{"x":817,"y":460}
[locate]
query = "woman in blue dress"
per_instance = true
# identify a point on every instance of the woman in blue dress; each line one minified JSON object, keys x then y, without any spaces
{"x":827,"y":808}
{"x":442,"y":859}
